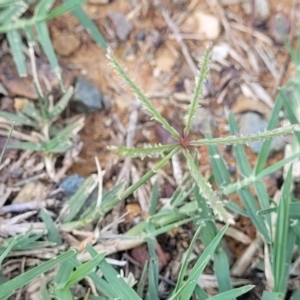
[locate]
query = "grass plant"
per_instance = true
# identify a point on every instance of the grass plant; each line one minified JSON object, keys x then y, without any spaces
{"x":206,"y":208}
{"x":18,"y":27}
{"x":46,"y":136}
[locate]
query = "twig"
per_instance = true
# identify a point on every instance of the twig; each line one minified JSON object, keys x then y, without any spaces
{"x":125,"y":171}
{"x":20,"y":207}
{"x":139,"y":265}
{"x":184,"y":49}
{"x":244,"y":261}
{"x":33,"y":70}
{"x":287,"y":55}
{"x":217,"y":8}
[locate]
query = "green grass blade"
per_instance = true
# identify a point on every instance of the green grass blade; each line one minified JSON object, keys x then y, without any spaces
{"x":9,"y":247}
{"x":239,"y":151}
{"x":207,"y":192}
{"x":107,"y":197}
{"x":89,"y":25}
{"x":116,"y":282}
{"x":199,"y":292}
{"x":281,"y":236}
{"x":267,"y":171}
{"x":296,"y":227}
{"x":182,"y":191}
{"x":18,"y":118}
{"x":290,"y":108}
{"x":43,"y":290}
{"x":64,"y":294}
{"x":187,"y":290}
{"x":222,"y":270}
{"x":181,"y":221}
{"x":153,"y":270}
{"x":24,"y":241}
{"x":15,"y":44}
{"x":62,"y":9}
{"x":265,"y":149}
{"x":147,"y":105}
{"x":262,"y":195}
{"x":23,"y":279}
{"x":264,"y":201}
{"x":220,"y":171}
{"x":235,"y":208}
{"x":58,"y":144}
{"x":61,"y":104}
{"x":101,"y":285}
{"x":210,"y":230}
{"x":43,"y":7}
{"x":278,"y":165}
{"x":12,"y":12}
{"x":272,"y":296}
{"x":26,"y":146}
{"x":153,"y":199}
{"x":64,"y":272}
{"x":29,"y":110}
{"x":291,"y":240}
{"x":84,"y":270}
{"x":89,"y":215}
{"x":252,"y":209}
{"x":200,"y":80}
{"x":69,"y":130}
{"x":3,"y":90}
{"x":296,"y":294}
{"x":6,"y":143}
{"x":247,"y":138}
{"x":52,"y":231}
{"x":232,"y":294}
{"x":75,"y":203}
{"x":4,"y":3}
{"x":149,"y":174}
{"x":207,"y":234}
{"x":45,"y":41}
{"x":183,"y":269}
{"x":147,"y":151}
{"x":294,"y":211}
{"x":142,"y":281}
{"x":58,"y":11}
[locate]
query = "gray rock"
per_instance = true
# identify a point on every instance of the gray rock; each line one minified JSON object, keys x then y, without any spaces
{"x":203,"y":122}
{"x":231,"y":170}
{"x":71,"y":184}
{"x":262,"y":9}
{"x":87,"y":97}
{"x":121,"y":25}
{"x":253,"y":123}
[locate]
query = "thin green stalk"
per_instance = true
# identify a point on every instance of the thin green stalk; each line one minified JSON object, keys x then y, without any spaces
{"x":147,"y":105}
{"x":149,"y":174}
{"x":200,"y":79}
{"x":247,"y":138}
{"x":7,"y":141}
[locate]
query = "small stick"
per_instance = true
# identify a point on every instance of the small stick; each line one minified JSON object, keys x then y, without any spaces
{"x":184,"y":49}
{"x":287,"y":55}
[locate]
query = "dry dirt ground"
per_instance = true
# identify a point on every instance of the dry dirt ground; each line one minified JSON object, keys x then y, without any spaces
{"x":161,"y":44}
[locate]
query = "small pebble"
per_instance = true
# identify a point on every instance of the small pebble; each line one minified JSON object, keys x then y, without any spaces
{"x":203,"y":122}
{"x":66,"y":44}
{"x":71,"y":184}
{"x":253,"y":123}
{"x":87,"y":97}
{"x":279,"y":24}
{"x":121,"y":25}
{"x":262,"y":9}
{"x":231,"y":170}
